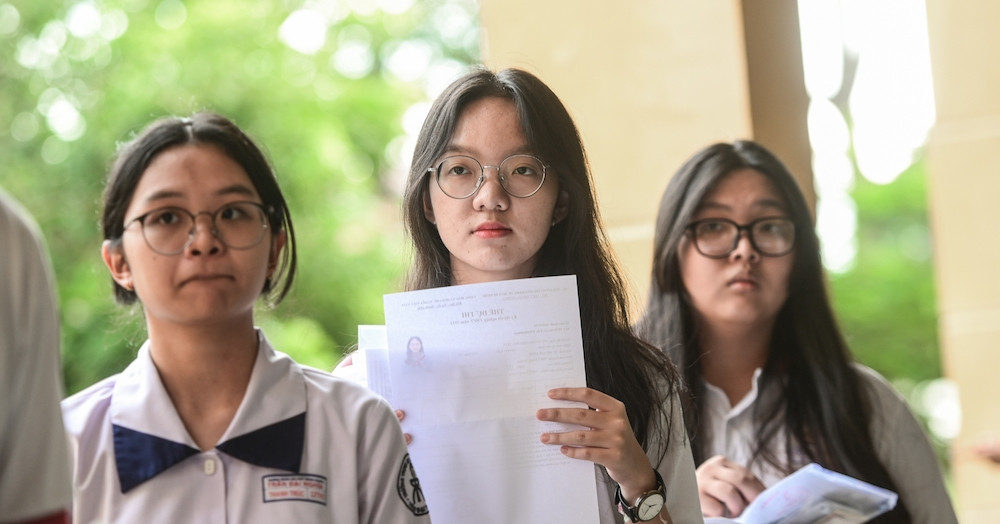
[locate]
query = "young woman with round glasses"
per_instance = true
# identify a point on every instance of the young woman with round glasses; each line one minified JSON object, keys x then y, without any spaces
{"x":209,"y":423}
{"x":739,"y":302}
{"x":500,"y":189}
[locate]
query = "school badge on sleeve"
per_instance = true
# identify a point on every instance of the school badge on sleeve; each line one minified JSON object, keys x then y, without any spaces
{"x":408,"y":487}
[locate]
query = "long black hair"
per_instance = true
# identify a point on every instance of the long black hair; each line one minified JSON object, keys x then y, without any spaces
{"x":827,"y":410}
{"x":617,"y":362}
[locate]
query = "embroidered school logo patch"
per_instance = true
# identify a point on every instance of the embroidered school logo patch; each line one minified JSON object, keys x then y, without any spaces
{"x":308,"y":488}
{"x":408,"y":487}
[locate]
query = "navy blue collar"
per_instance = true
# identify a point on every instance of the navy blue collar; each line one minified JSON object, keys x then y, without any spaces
{"x":140,"y":456}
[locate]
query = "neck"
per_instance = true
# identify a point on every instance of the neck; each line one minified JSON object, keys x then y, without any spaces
{"x":731,"y":354}
{"x":463,"y":274}
{"x":205,"y":370}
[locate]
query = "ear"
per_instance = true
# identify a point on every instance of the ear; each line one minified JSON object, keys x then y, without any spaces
{"x":277,"y":244}
{"x":114,"y":257}
{"x":429,"y":209}
{"x":561,"y":210}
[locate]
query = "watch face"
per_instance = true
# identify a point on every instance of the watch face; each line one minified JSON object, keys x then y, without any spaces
{"x":649,"y":507}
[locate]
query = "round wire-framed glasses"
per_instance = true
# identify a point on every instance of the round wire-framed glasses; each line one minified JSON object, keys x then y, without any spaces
{"x":169,"y":230}
{"x":461,"y":176}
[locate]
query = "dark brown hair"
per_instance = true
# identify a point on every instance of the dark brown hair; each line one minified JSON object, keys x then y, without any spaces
{"x":617,"y":362}
{"x":826,"y":408}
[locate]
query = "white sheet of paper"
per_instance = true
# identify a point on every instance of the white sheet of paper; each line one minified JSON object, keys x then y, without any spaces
{"x":371,"y":361}
{"x":815,"y":494}
{"x":491,"y":353}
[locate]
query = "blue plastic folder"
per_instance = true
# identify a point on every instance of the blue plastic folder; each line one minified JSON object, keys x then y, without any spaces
{"x":814,"y":494}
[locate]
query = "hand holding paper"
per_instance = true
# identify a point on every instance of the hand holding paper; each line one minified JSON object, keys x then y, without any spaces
{"x":816,"y":494}
{"x":491,"y":354}
{"x":725,"y":487}
{"x":606,"y":438}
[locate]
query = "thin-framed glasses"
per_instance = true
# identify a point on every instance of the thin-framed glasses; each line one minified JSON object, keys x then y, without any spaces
{"x":460,"y":176}
{"x":169,"y":230}
{"x":718,"y":237}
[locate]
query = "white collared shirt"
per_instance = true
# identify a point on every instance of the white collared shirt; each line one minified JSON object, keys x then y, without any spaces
{"x":352,"y":467}
{"x":900,"y":442}
{"x":731,"y":431}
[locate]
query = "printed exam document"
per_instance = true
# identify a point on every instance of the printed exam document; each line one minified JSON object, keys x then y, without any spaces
{"x":815,"y":494}
{"x":470,"y":365}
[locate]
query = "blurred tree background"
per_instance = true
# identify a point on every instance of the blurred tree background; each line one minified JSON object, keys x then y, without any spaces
{"x":324,"y":86}
{"x":886,"y":301}
{"x":332,"y":89}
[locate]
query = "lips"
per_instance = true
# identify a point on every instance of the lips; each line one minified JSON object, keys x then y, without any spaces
{"x":742,"y":280}
{"x":491,"y":230}
{"x":205,"y":277}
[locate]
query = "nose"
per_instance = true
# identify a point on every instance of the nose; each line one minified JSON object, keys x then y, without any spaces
{"x":744,"y":248}
{"x":203,"y":239}
{"x":491,"y":194}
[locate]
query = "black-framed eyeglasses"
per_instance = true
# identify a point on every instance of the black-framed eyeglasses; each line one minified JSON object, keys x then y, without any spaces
{"x":169,"y":230}
{"x":718,"y":237}
{"x":460,"y":176}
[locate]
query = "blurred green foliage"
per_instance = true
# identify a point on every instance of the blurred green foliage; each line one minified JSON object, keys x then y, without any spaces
{"x":886,"y":302}
{"x":77,"y":78}
{"x":332,"y":124}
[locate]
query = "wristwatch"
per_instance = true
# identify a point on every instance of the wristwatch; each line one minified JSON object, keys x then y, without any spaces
{"x":647,"y":506}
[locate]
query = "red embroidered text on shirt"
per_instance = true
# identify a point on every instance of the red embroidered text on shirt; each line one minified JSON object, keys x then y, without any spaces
{"x":301,"y":487}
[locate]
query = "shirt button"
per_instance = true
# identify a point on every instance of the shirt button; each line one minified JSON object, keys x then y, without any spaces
{"x":209,"y":467}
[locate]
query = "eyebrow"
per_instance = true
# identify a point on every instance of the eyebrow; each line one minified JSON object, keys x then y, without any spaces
{"x":764,"y":203}
{"x":235,"y":189}
{"x":458,"y":149}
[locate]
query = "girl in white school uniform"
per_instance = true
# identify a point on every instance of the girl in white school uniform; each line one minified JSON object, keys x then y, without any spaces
{"x":500,"y":189}
{"x":210,"y":423}
{"x":738,"y":299}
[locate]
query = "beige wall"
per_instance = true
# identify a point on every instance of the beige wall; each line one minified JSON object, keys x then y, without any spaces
{"x":649,"y":82}
{"x":964,"y":181}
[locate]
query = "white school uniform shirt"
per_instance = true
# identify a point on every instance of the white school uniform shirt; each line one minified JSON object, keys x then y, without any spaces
{"x":900,"y":443}
{"x":34,"y":471}
{"x":303,"y":446}
{"x":730,"y":430}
